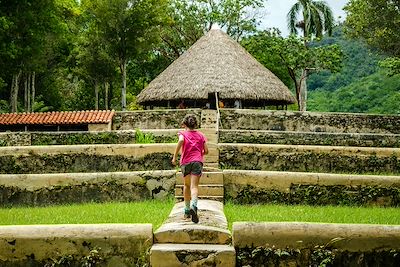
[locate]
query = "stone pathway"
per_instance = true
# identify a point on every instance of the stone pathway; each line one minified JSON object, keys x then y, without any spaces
{"x":180,"y":242}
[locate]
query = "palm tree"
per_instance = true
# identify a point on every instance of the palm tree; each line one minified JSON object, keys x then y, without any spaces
{"x":313,"y":18}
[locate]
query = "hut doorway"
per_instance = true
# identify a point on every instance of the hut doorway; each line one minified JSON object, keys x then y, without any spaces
{"x":212,"y":100}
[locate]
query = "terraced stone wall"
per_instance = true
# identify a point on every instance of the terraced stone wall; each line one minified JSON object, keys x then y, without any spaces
{"x":15,"y":139}
{"x":76,"y":138}
{"x":311,"y":244}
{"x":66,"y":188}
{"x":152,"y":119}
{"x":76,"y":245}
{"x":292,"y":188}
{"x":309,"y":138}
{"x":325,"y":159}
{"x":309,"y":121}
{"x":85,"y":158}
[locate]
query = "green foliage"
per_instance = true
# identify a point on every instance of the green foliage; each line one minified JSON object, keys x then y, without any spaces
{"x":256,"y":45}
{"x":4,"y":107}
{"x":291,"y":54}
{"x":392,"y":64}
{"x":316,"y":18}
{"x":375,"y":21}
{"x":376,"y":93}
{"x":191,"y":19}
{"x":133,"y":104}
{"x":359,"y":61}
{"x":129,"y":28}
{"x":360,"y":86}
{"x":144,"y":138}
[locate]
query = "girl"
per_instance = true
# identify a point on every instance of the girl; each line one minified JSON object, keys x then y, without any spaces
{"x":194,"y":147}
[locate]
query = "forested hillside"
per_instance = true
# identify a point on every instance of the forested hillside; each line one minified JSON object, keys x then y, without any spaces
{"x":360,"y":86}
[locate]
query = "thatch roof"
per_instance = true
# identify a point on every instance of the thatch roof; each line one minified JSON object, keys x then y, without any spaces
{"x":216,"y":63}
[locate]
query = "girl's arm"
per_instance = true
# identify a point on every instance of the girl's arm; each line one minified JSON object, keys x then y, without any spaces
{"x":177,"y":149}
{"x":205,"y":149}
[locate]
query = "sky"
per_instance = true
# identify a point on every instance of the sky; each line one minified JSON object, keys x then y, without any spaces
{"x":276,"y":11}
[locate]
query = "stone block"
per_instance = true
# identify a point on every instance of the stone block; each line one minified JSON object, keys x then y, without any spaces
{"x":211,"y":229}
{"x":204,"y":190}
{"x":40,"y":243}
{"x":193,"y":255}
{"x":206,"y":178}
{"x":294,"y":235}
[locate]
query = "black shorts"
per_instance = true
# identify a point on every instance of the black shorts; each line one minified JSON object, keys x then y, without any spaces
{"x":194,"y":168}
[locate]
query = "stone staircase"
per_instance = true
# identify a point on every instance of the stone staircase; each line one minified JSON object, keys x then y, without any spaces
{"x":209,"y":127}
{"x":179,"y":242}
{"x":211,"y":183}
{"x":211,"y":186}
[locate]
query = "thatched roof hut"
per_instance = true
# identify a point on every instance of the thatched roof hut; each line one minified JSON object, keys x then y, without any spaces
{"x":216,"y":63}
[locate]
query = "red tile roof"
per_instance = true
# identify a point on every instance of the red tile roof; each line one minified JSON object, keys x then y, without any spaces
{"x":63,"y":117}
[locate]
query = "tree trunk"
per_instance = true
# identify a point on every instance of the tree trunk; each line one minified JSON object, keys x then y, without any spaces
{"x":14,"y":92}
{"x":123,"y":91}
{"x":26,"y":92}
{"x":303,"y":91}
{"x":29,"y":92}
{"x":106,"y":86}
{"x":298,"y":97}
{"x":96,"y":95}
{"x":33,"y":90}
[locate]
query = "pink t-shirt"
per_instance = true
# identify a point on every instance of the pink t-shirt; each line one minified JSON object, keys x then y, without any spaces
{"x":193,"y":146}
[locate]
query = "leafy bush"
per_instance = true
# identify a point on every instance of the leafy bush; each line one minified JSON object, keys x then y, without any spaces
{"x":144,"y":138}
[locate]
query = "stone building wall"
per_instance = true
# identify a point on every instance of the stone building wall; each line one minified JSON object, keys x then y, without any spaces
{"x":152,"y":119}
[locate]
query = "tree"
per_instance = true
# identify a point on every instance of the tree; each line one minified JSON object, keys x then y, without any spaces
{"x":315,"y":18}
{"x":191,"y":19}
{"x":94,"y":63}
{"x":29,"y":34}
{"x":129,"y":27}
{"x":377,"y":22}
{"x":294,"y":56}
{"x":24,"y":27}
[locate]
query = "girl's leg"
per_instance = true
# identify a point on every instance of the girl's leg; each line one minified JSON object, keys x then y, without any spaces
{"x":186,"y":194}
{"x":194,"y":188}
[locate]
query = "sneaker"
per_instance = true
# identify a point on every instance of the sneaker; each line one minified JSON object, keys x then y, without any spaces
{"x":193,"y":213}
{"x":186,"y":214}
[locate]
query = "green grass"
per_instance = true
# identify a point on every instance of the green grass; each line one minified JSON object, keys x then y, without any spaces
{"x":323,"y":214}
{"x":154,"y":212}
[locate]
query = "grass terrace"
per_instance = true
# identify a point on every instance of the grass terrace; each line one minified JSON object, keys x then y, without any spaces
{"x":156,"y":211}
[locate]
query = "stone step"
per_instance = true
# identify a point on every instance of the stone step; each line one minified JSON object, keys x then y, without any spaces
{"x":211,"y":134}
{"x":204,"y":190}
{"x":211,"y":229}
{"x":177,"y":255}
{"x":209,"y":119}
{"x":214,"y":198}
{"x":212,"y":166}
{"x":206,"y":178}
{"x":209,"y":131}
{"x":212,"y":138}
{"x":211,"y":159}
